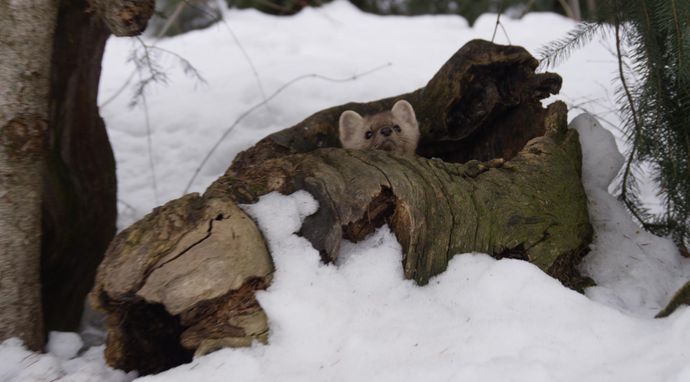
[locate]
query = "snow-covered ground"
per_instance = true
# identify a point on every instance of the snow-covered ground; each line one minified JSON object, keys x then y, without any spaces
{"x":359,"y":320}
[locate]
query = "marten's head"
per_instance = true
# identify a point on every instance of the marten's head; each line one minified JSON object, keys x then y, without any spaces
{"x":395,"y":130}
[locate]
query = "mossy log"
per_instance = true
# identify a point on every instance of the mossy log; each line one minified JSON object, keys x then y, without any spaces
{"x":498,"y":174}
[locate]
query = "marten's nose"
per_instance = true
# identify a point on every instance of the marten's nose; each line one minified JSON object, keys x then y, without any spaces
{"x":386,"y":131}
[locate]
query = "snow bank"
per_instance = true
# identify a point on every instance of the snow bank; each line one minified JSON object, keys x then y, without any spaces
{"x":482,"y":320}
{"x":60,"y":364}
{"x":635,"y":271}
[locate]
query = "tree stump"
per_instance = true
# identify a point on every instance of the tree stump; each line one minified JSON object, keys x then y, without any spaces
{"x":497,"y":173}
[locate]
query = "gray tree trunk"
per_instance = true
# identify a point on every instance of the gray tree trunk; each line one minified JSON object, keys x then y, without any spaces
{"x":592,"y":8}
{"x":26,"y":40}
{"x":575,"y":7}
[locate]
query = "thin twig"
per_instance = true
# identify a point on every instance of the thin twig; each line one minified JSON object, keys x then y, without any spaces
{"x":633,"y":111}
{"x":119,"y":90}
{"x":505,"y":33}
{"x":187,"y":66}
{"x":498,"y":21}
{"x":127,"y":205}
{"x":240,"y":46}
{"x":258,"y":105}
{"x":149,"y":143}
{"x":249,"y":61}
{"x":500,"y":24}
{"x":160,"y":34}
{"x":167,"y":26}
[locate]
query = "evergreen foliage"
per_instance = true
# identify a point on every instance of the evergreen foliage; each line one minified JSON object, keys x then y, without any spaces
{"x":653,"y":49}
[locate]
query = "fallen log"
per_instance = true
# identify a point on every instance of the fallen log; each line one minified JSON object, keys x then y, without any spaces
{"x":497,"y":174}
{"x":484,"y":103}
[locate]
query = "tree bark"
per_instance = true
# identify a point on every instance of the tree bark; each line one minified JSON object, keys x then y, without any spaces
{"x":124,"y":17}
{"x":592,"y":9}
{"x":504,"y":180}
{"x":79,"y":204}
{"x":26,"y":33}
{"x":575,"y":7}
{"x":54,"y":150}
{"x":532,"y":207}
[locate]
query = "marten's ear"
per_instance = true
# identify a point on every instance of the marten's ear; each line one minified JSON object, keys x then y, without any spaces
{"x":403,"y":111}
{"x":350,"y":130}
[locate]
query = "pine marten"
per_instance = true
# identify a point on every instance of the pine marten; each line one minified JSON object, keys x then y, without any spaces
{"x":396,"y":130}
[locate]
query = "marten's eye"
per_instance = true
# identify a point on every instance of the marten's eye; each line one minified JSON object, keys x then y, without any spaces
{"x":368,"y":135}
{"x":396,"y":128}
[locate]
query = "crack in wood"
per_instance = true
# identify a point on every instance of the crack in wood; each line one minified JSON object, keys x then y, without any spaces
{"x":189,"y":248}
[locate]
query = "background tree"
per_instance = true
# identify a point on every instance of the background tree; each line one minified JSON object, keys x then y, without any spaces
{"x":26,"y":33}
{"x":55,"y":157}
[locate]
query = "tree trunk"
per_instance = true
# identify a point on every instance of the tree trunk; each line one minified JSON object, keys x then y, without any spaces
{"x":26,"y":33}
{"x":54,"y":151}
{"x":79,"y":204}
{"x":504,"y":180}
{"x":575,"y":7}
{"x":591,"y":9}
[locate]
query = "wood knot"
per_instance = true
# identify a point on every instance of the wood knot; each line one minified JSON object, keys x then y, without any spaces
{"x":125,"y":17}
{"x":24,"y":136}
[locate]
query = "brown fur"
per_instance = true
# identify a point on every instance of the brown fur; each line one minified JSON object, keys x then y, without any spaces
{"x":395,"y":130}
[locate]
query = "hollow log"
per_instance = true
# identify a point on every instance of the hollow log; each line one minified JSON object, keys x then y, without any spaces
{"x":498,"y":174}
{"x":531,"y":207}
{"x":483,"y":103}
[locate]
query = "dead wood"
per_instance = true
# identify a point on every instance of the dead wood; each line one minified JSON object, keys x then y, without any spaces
{"x":484,"y":103}
{"x":498,"y":174}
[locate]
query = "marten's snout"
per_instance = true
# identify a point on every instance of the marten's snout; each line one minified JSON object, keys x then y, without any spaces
{"x":386,"y":131}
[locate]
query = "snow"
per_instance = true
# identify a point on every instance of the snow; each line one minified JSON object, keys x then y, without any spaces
{"x":635,"y":271}
{"x":64,"y":345}
{"x":59,"y":364}
{"x":482,"y":319}
{"x":359,"y":320}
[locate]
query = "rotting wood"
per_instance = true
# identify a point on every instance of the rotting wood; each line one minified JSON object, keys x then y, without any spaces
{"x":484,"y":103}
{"x":497,"y":174}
